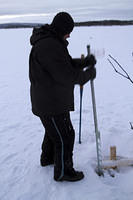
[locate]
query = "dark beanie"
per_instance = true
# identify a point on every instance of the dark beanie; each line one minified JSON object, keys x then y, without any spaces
{"x":62,"y":23}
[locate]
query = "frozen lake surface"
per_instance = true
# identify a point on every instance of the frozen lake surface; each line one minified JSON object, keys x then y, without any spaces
{"x":21,"y":133}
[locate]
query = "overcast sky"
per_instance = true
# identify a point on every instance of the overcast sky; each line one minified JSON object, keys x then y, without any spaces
{"x":80,"y":9}
{"x":6,"y":5}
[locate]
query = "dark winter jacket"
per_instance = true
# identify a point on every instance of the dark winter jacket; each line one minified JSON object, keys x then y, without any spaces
{"x":53,"y":73}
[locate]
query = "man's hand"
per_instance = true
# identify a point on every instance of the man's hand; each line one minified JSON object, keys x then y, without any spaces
{"x":90,"y":60}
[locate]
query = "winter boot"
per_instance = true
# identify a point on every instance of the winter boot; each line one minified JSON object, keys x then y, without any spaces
{"x":71,"y":175}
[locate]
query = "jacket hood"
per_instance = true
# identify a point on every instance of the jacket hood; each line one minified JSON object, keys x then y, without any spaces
{"x":44,"y":32}
{"x":40,"y":33}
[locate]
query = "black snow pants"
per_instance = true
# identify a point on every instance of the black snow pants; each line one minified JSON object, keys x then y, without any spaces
{"x":58,"y":143}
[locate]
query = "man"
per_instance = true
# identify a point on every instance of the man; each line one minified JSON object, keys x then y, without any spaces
{"x":53,"y":74}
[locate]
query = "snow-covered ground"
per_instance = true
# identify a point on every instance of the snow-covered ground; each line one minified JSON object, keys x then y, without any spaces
{"x":21,"y":133}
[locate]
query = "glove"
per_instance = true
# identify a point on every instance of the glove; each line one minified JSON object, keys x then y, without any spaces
{"x":90,"y":60}
{"x":92,"y":72}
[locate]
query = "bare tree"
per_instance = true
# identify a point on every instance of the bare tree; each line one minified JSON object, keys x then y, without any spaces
{"x":124,"y":74}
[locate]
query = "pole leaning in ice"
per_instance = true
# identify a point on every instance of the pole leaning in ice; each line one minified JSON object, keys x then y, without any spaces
{"x":97,"y":133}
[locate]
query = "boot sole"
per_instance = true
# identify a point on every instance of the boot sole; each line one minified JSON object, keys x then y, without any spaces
{"x":70,"y":179}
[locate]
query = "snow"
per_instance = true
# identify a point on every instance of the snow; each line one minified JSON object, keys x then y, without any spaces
{"x":21,"y":133}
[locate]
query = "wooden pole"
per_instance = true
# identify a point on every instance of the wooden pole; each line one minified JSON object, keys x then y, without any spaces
{"x":113,"y":153}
